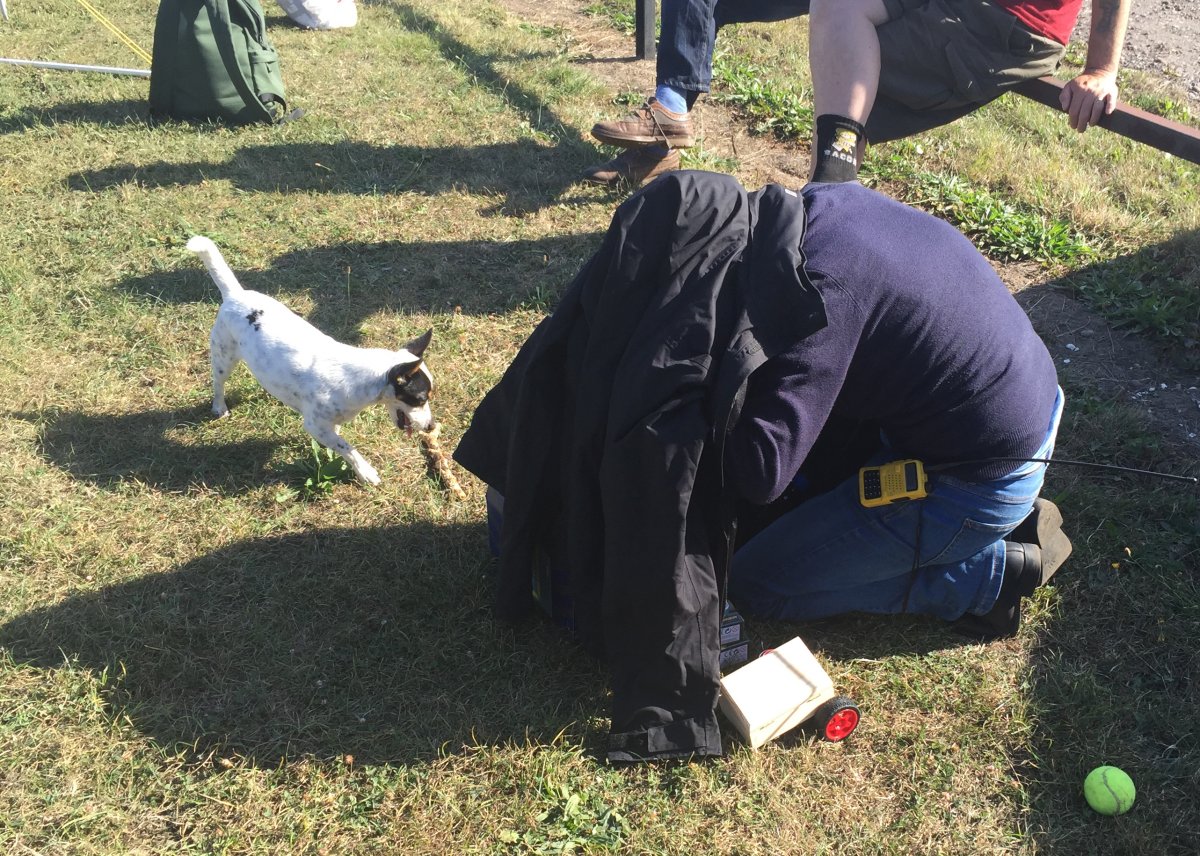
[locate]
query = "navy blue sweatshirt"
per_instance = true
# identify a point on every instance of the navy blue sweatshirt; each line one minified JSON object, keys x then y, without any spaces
{"x":923,"y":338}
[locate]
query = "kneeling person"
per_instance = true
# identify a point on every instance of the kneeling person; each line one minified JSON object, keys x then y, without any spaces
{"x":925,"y":342}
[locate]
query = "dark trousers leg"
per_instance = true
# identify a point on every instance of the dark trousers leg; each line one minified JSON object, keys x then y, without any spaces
{"x":689,"y":31}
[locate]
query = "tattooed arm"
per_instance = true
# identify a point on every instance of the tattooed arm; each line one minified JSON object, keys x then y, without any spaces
{"x":1094,"y":92}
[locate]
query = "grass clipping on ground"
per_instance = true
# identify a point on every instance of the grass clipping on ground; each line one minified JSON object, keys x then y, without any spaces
{"x":199,"y":655}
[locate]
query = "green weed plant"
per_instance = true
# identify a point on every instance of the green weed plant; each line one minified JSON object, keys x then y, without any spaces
{"x":323,"y":470}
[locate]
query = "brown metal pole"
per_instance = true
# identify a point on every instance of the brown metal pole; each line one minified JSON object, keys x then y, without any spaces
{"x":1179,"y":140}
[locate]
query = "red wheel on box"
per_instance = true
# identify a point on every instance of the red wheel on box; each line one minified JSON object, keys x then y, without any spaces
{"x":837,"y":719}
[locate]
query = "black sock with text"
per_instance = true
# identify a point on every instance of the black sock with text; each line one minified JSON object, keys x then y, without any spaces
{"x":835,"y":149}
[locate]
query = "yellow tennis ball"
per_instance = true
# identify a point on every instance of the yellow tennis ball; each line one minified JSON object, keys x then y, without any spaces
{"x":1109,"y":790}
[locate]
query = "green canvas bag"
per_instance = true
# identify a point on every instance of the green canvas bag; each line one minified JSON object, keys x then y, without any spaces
{"x":212,"y":60}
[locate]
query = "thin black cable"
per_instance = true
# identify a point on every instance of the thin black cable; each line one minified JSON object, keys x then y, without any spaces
{"x":939,"y":467}
{"x":912,"y":579}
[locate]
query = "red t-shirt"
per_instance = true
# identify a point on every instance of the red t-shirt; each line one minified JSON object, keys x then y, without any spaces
{"x":1054,"y":19}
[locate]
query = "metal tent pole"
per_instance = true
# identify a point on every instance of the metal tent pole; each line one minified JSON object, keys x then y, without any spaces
{"x":68,"y":66}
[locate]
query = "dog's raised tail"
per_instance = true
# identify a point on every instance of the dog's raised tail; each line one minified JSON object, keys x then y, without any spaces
{"x":220,"y":272}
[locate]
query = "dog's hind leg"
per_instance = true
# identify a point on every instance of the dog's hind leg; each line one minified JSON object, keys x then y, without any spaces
{"x":224,"y":356}
{"x":327,"y":436}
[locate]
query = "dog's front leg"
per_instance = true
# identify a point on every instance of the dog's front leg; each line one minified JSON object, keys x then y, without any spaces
{"x":328,"y":437}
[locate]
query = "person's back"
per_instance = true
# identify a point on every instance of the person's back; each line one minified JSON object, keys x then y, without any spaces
{"x":949,"y":363}
{"x":923,"y":339}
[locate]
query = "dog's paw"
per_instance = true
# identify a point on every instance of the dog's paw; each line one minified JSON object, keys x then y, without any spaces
{"x":368,"y":474}
{"x":220,"y":412}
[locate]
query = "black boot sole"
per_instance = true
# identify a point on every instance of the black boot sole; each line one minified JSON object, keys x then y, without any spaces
{"x":1043,"y":527}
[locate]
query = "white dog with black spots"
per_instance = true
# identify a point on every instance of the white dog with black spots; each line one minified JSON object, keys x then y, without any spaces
{"x":326,"y":381}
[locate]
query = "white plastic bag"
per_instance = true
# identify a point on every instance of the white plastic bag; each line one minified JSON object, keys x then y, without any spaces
{"x":321,"y":14}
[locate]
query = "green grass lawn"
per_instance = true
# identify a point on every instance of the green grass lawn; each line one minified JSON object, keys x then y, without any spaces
{"x":201,"y":653}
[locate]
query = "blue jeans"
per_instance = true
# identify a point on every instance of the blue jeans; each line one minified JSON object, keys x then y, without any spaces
{"x":689,"y":30}
{"x":832,"y":555}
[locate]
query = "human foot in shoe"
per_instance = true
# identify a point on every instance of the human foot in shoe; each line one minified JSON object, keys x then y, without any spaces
{"x":1026,"y":568}
{"x":1043,"y":527}
{"x":650,"y":123}
{"x":634,"y":166}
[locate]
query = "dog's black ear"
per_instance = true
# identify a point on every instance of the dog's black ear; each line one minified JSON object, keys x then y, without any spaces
{"x":399,"y":374}
{"x":417,"y":346}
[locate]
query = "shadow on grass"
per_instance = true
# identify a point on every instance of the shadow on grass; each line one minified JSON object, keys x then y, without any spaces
{"x":864,"y":636}
{"x":1153,"y":292}
{"x":126,"y":111}
{"x":350,"y":282}
{"x":149,"y":447}
{"x":378,"y":643}
{"x":1112,"y":679}
{"x":527,"y":174}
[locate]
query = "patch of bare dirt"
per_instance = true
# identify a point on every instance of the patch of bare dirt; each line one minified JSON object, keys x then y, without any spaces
{"x":1117,"y":364}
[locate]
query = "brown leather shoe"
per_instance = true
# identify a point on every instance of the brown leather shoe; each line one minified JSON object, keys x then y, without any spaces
{"x":650,"y":123}
{"x":634,"y":167}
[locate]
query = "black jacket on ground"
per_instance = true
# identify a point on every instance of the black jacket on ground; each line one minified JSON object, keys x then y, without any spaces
{"x":605,"y":435}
